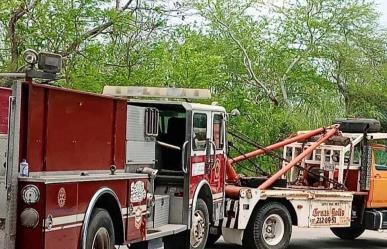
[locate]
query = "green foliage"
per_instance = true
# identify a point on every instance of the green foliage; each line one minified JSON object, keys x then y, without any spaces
{"x":288,"y":67}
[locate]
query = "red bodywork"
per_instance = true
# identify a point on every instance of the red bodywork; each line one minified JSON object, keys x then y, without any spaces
{"x":233,"y":177}
{"x":66,"y":130}
{"x":232,"y":191}
{"x":5,"y":93}
{"x":71,"y":133}
{"x":215,"y":176}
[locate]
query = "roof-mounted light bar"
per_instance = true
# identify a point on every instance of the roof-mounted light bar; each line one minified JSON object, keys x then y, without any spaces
{"x":156,"y":92}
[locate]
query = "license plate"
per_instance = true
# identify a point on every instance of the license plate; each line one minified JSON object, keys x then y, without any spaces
{"x":330,"y":214}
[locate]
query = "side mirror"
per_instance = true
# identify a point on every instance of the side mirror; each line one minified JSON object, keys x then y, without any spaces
{"x":235,"y":112}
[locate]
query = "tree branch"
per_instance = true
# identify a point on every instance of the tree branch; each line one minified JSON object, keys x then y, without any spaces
{"x":16,"y":15}
{"x":248,"y":64}
{"x":285,"y":76}
{"x":92,"y":33}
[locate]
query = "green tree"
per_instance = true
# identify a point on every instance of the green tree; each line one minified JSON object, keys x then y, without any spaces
{"x":287,"y":67}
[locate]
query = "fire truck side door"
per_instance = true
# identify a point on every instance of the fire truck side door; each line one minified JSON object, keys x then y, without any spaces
{"x":200,"y":162}
{"x":208,"y":156}
{"x":217,"y":171}
{"x":378,"y":197}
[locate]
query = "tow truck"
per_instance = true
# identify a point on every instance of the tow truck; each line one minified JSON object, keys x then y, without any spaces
{"x":144,"y":167}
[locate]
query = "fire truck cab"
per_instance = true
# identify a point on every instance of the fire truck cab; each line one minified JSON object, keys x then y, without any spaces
{"x":187,"y":154}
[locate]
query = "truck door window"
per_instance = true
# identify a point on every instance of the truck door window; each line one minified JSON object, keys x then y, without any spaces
{"x":151,"y":122}
{"x":199,"y":133}
{"x":218,"y":131}
{"x":356,"y":158}
{"x":380,"y":158}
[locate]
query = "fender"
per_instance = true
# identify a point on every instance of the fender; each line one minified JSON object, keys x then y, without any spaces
{"x":199,"y":187}
{"x":90,"y":208}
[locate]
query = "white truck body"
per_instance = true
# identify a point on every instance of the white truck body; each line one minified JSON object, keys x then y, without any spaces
{"x":312,"y":209}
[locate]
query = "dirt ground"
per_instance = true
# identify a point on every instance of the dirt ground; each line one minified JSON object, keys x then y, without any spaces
{"x":324,"y":239}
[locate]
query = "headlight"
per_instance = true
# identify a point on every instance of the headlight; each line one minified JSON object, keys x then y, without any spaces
{"x":29,"y":218}
{"x":30,"y":56}
{"x":242,"y":193}
{"x":30,"y":194}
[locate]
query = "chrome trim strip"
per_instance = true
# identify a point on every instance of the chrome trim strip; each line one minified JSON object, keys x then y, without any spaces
{"x":73,"y":172}
{"x":63,"y":227}
{"x":75,"y":220}
{"x":381,"y":220}
{"x":62,"y":220}
{"x":49,"y":179}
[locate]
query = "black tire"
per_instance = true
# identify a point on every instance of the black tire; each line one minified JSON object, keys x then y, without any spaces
{"x":201,"y":209}
{"x":183,"y":239}
{"x":101,"y":224}
{"x":180,"y":240}
{"x":359,"y":125}
{"x":212,"y":238}
{"x":254,"y":233}
{"x":348,"y":233}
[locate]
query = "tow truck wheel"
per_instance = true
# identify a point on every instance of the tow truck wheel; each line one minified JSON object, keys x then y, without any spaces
{"x":200,"y":226}
{"x":100,"y":232}
{"x":348,"y":233}
{"x":270,"y":227}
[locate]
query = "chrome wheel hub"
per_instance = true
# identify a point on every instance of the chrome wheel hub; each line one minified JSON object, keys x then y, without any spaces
{"x":198,"y":228}
{"x":273,"y":229}
{"x":101,"y":239}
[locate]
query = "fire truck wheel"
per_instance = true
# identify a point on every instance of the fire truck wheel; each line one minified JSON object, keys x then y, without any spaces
{"x":270,"y":227}
{"x":200,"y":226}
{"x":100,"y":233}
{"x":348,"y":233}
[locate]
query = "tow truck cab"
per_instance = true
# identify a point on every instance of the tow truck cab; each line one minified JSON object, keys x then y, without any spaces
{"x":358,"y":161}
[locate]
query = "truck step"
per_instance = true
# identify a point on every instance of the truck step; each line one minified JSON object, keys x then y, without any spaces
{"x":165,"y":230}
{"x":375,"y":219}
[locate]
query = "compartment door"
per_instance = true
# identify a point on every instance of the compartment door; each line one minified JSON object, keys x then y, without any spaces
{"x":5,"y":94}
{"x":9,"y":174}
{"x":217,"y":171}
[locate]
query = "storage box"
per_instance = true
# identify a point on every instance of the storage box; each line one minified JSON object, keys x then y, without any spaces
{"x":161,"y":210}
{"x":176,"y":213}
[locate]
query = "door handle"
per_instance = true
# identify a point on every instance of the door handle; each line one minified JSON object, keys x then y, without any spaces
{"x":213,"y":160}
{"x":378,"y":176}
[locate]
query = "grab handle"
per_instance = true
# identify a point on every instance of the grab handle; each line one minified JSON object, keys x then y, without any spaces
{"x":183,"y":157}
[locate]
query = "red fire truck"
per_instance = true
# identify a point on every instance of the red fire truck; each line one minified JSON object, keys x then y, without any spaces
{"x":89,"y":171}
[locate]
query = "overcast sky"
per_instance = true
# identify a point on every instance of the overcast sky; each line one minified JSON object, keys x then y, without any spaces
{"x":383,"y":9}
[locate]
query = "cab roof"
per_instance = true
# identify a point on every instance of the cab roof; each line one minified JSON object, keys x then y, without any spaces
{"x":188,"y":106}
